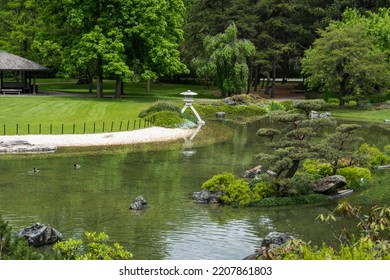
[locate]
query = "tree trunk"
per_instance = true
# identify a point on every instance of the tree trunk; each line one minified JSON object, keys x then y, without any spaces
{"x":148,"y":90}
{"x":118,"y":87}
{"x":99,"y":82}
{"x":256,"y":79}
{"x":291,"y":172}
{"x":273,"y":78}
{"x":90,"y":84}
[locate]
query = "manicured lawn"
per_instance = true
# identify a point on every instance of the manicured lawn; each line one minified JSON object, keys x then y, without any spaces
{"x":362,"y":115}
{"x":36,"y":111}
{"x":63,"y":114}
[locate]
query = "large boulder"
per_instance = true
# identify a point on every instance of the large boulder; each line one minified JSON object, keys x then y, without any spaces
{"x":251,"y":173}
{"x":206,"y":196}
{"x":330,"y":184}
{"x":40,"y":235}
{"x":139,"y":203}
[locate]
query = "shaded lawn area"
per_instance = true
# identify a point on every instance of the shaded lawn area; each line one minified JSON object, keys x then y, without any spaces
{"x":133,"y":89}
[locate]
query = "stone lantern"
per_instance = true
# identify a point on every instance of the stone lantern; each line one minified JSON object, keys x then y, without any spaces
{"x":188,"y":100}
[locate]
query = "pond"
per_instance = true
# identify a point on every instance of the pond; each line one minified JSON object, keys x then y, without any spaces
{"x":97,"y":196}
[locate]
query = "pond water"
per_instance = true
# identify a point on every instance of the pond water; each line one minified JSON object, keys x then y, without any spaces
{"x":97,"y":196}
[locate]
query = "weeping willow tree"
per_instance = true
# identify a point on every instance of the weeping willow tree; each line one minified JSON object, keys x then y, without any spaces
{"x":225,"y":61}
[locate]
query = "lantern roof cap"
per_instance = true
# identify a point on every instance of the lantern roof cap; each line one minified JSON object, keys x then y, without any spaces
{"x":189,"y":93}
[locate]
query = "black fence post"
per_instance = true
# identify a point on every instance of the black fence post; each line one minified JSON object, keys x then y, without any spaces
{"x":135,"y":122}
{"x":85,"y":127}
{"x":128,"y":124}
{"x":17,"y":129}
{"x":74,"y":128}
{"x":94,"y":127}
{"x":28,"y":128}
{"x":40,"y":128}
{"x":62,"y":128}
{"x":4,"y":129}
{"x":51,"y":129}
{"x":103,"y":127}
{"x":112,"y":126}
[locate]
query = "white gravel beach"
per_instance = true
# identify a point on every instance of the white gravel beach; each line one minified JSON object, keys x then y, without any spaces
{"x":147,"y":135}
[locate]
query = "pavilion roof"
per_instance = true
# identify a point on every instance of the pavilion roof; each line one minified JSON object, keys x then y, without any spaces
{"x":11,"y":62}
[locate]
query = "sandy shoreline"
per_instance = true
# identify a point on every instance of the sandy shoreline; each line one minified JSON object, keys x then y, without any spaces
{"x":147,"y":135}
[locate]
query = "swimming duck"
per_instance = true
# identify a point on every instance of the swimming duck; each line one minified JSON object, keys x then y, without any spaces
{"x":35,"y":170}
{"x":77,"y":166}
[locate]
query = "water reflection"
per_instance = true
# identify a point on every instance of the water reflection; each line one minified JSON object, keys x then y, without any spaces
{"x":97,"y":196}
{"x":188,"y":149}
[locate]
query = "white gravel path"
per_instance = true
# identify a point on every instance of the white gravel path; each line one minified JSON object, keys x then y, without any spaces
{"x":147,"y":135}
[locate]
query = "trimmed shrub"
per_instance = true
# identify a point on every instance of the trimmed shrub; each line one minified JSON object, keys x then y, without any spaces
{"x":303,"y":183}
{"x":357,"y":177}
{"x":219,"y":182}
{"x":237,"y":193}
{"x":371,"y":155}
{"x":386,"y":149}
{"x":160,"y":106}
{"x":263,"y":189}
{"x":276,"y":106}
{"x":314,"y":167}
{"x":167,"y":119}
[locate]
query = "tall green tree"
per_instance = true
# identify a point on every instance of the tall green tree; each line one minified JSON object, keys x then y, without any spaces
{"x":19,"y":24}
{"x":121,"y":39}
{"x":345,"y":61}
{"x":153,"y":32}
{"x":225,"y":61}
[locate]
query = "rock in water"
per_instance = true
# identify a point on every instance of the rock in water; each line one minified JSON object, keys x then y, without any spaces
{"x":139,"y":203}
{"x":207,"y":197}
{"x":40,"y":235}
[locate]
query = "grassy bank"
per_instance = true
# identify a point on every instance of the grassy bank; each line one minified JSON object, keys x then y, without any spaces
{"x":77,"y":114}
{"x":37,"y":111}
{"x":377,"y":116}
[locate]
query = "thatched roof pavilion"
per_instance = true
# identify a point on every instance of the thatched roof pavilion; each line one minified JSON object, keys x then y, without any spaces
{"x":26,"y":68}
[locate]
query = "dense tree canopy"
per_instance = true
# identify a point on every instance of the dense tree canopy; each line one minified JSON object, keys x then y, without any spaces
{"x":346,"y":61}
{"x":225,"y":61}
{"x":141,"y":40}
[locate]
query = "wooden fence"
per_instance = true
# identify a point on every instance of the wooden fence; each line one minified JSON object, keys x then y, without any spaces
{"x":80,"y":128}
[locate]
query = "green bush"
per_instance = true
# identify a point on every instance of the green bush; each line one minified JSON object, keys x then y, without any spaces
{"x":263,"y":189}
{"x":303,"y":183}
{"x":379,"y":98}
{"x":357,"y":177}
{"x":14,"y":248}
{"x":167,"y":119}
{"x":315,"y":167}
{"x":371,"y":155}
{"x":276,"y":106}
{"x":160,"y":106}
{"x":333,"y":101}
{"x":219,"y":182}
{"x":386,"y":149}
{"x":96,"y":249}
{"x":237,"y":193}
